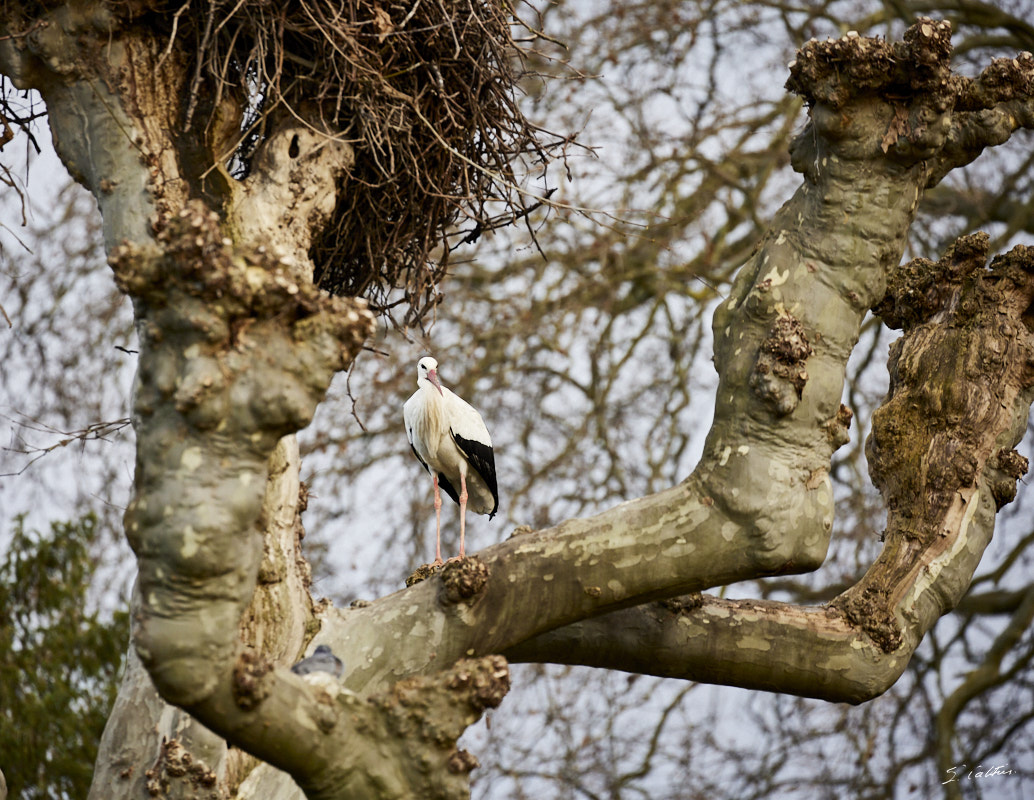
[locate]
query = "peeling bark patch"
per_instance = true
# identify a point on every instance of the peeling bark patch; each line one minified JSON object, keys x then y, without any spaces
{"x":779,"y":374}
{"x":463,"y":579}
{"x":462,"y":761}
{"x":816,"y":479}
{"x":174,"y":764}
{"x":898,"y":127}
{"x":921,"y":288}
{"x":249,"y":685}
{"x":684,"y":604}
{"x":191,"y":459}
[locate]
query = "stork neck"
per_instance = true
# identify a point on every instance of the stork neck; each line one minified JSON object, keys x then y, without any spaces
{"x":432,"y":390}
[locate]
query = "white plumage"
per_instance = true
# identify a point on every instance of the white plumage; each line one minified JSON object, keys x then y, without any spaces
{"x":450,"y":439}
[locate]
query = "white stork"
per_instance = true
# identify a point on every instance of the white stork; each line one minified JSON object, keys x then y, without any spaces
{"x":450,"y":439}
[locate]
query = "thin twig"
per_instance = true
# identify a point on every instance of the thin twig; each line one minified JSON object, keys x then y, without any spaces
{"x":95,"y":431}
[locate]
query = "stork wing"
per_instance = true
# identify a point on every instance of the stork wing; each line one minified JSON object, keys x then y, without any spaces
{"x":409,"y":410}
{"x":482,"y":459}
{"x":471,"y":436}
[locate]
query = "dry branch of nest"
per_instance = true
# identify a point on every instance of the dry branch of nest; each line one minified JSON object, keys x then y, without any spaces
{"x":426,"y":93}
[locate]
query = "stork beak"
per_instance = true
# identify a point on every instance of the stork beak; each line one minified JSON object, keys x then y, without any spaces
{"x":432,"y":376}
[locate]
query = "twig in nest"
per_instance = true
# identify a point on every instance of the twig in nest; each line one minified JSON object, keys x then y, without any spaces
{"x":428,"y":102}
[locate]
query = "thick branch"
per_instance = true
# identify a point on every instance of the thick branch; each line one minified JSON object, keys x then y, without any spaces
{"x":990,"y":108}
{"x":941,"y":453}
{"x":974,"y":132}
{"x":752,"y":644}
{"x":760,"y":502}
{"x":142,"y":728}
{"x":941,"y":447}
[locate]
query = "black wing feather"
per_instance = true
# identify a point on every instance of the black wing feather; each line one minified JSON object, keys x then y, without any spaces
{"x":450,"y":490}
{"x":482,"y":459}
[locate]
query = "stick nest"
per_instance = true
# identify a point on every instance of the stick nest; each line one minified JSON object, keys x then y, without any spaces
{"x":424,"y":90}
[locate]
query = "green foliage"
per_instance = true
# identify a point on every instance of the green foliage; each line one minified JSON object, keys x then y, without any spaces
{"x":59,"y":661}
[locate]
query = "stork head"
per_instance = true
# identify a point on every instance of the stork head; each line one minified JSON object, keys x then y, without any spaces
{"x":427,"y":368}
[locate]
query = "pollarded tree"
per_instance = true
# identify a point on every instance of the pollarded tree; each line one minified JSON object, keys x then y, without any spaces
{"x":314,"y":146}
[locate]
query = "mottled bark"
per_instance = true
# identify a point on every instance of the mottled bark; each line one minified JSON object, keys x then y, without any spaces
{"x":940,"y":452}
{"x":941,"y":448}
{"x":277,"y":623}
{"x":962,"y":383}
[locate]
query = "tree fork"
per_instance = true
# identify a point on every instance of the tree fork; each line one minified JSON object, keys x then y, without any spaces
{"x":237,"y":349}
{"x":760,"y":501}
{"x":962,"y":383}
{"x":883,"y":126}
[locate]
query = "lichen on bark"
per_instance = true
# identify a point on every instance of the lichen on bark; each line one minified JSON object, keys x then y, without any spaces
{"x":887,"y":120}
{"x":962,"y":379}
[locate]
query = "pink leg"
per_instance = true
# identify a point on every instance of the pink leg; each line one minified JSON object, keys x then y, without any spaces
{"x":463,"y":510}
{"x":437,"y":523}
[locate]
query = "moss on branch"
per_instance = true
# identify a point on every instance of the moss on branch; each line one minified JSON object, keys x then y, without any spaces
{"x":836,"y":71}
{"x":921,"y":288}
{"x":962,"y":379}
